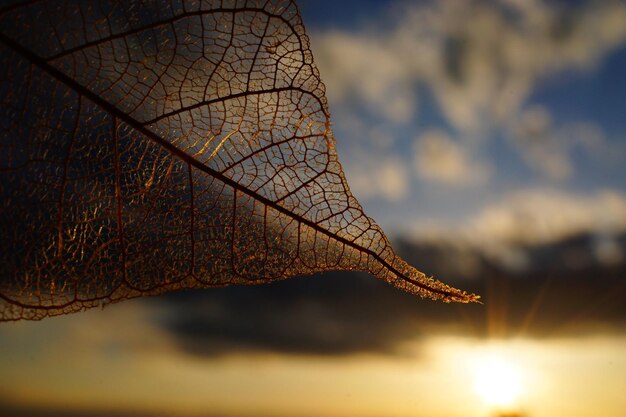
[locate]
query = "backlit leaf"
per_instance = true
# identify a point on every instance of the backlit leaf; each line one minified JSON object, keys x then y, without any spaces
{"x":153,"y":146}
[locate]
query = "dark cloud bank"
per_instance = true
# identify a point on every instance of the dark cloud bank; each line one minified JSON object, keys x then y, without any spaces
{"x":564,"y":290}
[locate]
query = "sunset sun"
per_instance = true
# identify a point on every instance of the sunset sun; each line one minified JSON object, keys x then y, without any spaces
{"x":497,"y":380}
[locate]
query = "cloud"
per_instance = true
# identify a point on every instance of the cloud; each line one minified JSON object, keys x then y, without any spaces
{"x":367,"y":71}
{"x":378,"y":177}
{"x":540,"y":215}
{"x":440,"y":159}
{"x":509,"y":247}
{"x":333,"y":314}
{"x":480,"y":59}
{"x":548,"y":148}
{"x":491,"y":56}
{"x":539,"y":144}
{"x":346,"y":313}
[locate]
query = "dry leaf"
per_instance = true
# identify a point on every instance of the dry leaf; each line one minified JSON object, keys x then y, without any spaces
{"x":150,"y":147}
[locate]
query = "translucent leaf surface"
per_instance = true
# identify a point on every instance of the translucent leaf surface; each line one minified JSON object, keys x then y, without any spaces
{"x":150,"y":147}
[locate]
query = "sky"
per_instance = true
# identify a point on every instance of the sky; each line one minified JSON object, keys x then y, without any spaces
{"x":466,"y":108}
{"x":488,"y":140}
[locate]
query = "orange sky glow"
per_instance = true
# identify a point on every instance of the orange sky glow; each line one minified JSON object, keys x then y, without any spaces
{"x":108,"y":360}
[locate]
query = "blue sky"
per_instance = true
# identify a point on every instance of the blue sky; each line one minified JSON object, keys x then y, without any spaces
{"x":482,"y":104}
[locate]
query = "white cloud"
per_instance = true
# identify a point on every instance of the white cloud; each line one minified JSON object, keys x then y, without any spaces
{"x":480,"y":60}
{"x":489,"y":63}
{"x":371,"y":177}
{"x":544,"y":215}
{"x":540,"y":145}
{"x":367,"y":70}
{"x":440,"y":159}
{"x":548,"y":148}
{"x":534,"y":216}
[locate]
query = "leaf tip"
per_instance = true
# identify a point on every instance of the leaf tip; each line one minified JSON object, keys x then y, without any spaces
{"x":407,"y":278}
{"x":466,"y":298}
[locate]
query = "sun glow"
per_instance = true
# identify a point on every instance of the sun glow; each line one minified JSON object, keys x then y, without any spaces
{"x":498,"y":380}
